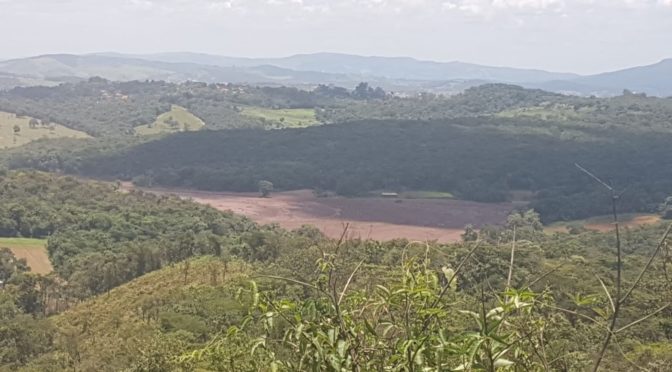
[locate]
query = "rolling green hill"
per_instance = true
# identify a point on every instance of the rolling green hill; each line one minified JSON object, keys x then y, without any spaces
{"x":178,"y":119}
{"x":16,"y":131}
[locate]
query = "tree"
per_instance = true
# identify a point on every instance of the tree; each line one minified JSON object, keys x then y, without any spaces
{"x":362,"y":91}
{"x":470,"y":234}
{"x":10,"y":265}
{"x":265,"y":188}
{"x":666,"y":208}
{"x":33,"y":123}
{"x":17,"y":130}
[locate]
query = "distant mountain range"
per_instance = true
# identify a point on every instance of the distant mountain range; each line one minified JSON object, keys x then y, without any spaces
{"x":398,"y":73}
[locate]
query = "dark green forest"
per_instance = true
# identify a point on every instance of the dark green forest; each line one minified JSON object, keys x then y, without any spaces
{"x":480,"y":159}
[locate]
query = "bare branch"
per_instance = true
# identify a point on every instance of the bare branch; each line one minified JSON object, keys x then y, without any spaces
{"x":596,"y":178}
{"x":611,"y":301}
{"x":549,"y":272}
{"x":618,"y":302}
{"x":513,"y":253}
{"x":642,"y":319}
{"x":345,"y":288}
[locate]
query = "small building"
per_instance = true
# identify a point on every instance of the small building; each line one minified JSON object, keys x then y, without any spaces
{"x":389,"y":194}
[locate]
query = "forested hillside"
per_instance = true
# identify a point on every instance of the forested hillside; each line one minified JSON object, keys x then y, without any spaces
{"x":478,"y":159}
{"x":103,"y":109}
{"x":485,"y":144}
{"x":128,"y":295}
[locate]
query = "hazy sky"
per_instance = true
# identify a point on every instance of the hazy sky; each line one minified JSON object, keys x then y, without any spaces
{"x":582,"y":36}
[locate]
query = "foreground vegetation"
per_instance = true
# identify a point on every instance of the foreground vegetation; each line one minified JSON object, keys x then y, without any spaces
{"x":149,"y":283}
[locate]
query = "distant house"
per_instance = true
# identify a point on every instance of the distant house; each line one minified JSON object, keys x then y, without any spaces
{"x":389,"y":194}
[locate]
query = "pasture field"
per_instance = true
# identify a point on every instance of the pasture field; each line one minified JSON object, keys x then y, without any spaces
{"x":178,"y":119}
{"x":33,"y":250}
{"x":554,"y":112}
{"x":426,"y":195}
{"x":283,"y":118}
{"x":604,"y":223}
{"x":27,"y":133}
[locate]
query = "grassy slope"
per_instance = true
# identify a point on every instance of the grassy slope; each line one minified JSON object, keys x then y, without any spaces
{"x":605,"y":223}
{"x":426,"y":195}
{"x":33,"y":250}
{"x":283,"y":118}
{"x":109,"y":328}
{"x":27,"y":134}
{"x":186,"y":121}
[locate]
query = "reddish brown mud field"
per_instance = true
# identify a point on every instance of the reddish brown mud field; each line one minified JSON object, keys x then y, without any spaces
{"x":374,"y":218}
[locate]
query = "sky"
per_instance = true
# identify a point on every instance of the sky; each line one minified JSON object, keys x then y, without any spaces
{"x":582,"y":36}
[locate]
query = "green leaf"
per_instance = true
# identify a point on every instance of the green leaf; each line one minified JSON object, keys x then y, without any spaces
{"x":501,"y":362}
{"x":261,"y":341}
{"x":370,"y":328}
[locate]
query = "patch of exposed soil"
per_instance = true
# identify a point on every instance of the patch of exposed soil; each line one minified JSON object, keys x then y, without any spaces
{"x":375,"y":218}
{"x":37,"y":259}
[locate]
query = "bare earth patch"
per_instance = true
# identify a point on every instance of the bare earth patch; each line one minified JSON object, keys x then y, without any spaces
{"x":374,"y":218}
{"x":36,"y":257}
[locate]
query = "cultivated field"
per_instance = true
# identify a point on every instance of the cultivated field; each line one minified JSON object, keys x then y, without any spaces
{"x":9,"y":137}
{"x":375,"y":218}
{"x":33,"y":250}
{"x":178,"y":119}
{"x":283,"y":118}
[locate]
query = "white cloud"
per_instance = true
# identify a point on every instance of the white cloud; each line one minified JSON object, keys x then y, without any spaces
{"x":527,"y":4}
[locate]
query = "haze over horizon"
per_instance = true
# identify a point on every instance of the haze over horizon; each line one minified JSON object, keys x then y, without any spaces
{"x":580,"y":36}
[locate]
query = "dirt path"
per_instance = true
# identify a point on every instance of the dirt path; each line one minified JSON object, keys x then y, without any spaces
{"x":375,"y":218}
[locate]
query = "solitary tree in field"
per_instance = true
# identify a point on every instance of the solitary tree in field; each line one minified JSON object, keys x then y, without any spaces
{"x":17,"y":130}
{"x":265,"y":188}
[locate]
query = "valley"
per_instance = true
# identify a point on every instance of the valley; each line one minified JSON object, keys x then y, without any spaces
{"x":368,"y":217}
{"x":203,"y":213}
{"x":381,"y":218}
